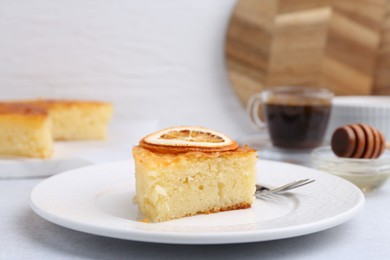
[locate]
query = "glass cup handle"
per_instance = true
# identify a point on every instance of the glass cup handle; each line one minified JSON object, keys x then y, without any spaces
{"x":252,"y":110}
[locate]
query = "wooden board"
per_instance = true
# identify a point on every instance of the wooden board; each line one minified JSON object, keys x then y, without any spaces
{"x":382,"y":72}
{"x":341,"y":45}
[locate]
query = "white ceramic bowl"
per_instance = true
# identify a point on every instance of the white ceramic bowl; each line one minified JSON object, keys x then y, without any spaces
{"x":372,"y":110}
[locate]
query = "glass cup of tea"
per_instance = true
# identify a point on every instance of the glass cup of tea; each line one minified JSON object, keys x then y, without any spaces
{"x":295,"y":117}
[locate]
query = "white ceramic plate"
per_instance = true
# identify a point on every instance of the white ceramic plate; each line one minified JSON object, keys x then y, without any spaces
{"x":98,"y":200}
{"x":71,"y":155}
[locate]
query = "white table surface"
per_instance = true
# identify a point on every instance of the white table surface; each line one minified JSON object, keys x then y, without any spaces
{"x":25,"y":235}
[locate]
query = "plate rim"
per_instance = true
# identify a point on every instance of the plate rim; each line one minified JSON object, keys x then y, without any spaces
{"x":203,"y":237}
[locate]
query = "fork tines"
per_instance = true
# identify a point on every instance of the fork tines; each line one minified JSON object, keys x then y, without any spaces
{"x":284,"y":188}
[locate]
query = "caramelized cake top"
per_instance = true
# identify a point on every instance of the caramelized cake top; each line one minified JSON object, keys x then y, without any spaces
{"x":15,"y":108}
{"x":49,"y":103}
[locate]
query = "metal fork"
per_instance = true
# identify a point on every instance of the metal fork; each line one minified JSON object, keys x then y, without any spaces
{"x":262,"y":191}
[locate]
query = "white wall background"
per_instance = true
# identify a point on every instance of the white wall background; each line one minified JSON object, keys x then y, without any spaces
{"x":154,"y":59}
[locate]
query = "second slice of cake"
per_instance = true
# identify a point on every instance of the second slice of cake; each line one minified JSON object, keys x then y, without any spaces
{"x":77,"y":120}
{"x":185,"y":171}
{"x":25,"y":131}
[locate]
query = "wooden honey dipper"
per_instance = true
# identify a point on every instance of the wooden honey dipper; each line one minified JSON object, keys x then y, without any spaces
{"x":358,"y":141}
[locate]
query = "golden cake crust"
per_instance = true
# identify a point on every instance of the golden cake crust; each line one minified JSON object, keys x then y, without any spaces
{"x":163,"y":158}
{"x":53,"y":103}
{"x":12,"y":108}
{"x":188,"y":153}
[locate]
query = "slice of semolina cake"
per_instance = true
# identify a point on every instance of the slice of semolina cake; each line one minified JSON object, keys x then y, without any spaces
{"x":183,"y":171}
{"x":25,"y":131}
{"x":77,"y":120}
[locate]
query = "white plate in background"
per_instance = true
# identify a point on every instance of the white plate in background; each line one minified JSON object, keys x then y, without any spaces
{"x":74,"y":154}
{"x":98,"y":200}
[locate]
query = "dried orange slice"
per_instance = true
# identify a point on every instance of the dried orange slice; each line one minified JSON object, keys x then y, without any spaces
{"x":188,"y":138}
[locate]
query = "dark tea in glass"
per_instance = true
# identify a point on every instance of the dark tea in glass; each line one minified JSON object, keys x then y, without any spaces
{"x":296,"y":117}
{"x":297,"y":125}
